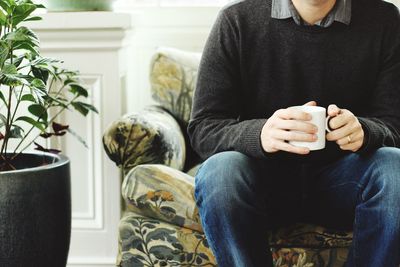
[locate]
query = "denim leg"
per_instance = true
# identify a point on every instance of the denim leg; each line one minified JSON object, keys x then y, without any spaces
{"x":365,"y":191}
{"x":231,"y":193}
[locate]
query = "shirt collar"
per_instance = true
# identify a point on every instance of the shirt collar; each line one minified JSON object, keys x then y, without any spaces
{"x":341,"y":12}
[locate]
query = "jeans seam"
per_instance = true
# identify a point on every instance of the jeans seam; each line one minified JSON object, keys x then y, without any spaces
{"x":355,"y":238}
{"x":196,"y":184}
{"x":360,"y":186}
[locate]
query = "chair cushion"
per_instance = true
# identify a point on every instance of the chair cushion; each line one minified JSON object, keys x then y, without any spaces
{"x":173,"y":75}
{"x":143,"y":240}
{"x":163,"y":193}
{"x":308,"y":235}
{"x":309,"y":257}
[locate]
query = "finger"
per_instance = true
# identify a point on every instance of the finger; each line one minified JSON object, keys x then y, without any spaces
{"x":354,"y":137}
{"x":340,"y":120}
{"x":333,"y":110}
{"x":341,"y":132}
{"x":283,"y":146}
{"x":310,"y":103}
{"x":352,"y":146}
{"x":293,"y":114}
{"x":300,"y":126}
{"x":293,"y":136}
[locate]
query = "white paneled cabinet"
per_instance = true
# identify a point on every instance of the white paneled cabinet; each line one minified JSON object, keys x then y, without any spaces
{"x":96,"y":44}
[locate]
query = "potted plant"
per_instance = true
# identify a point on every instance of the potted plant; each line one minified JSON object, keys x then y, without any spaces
{"x":35,"y":201}
{"x":79,"y":5}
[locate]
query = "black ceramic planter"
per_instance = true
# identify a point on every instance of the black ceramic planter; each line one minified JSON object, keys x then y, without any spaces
{"x":35,"y":212}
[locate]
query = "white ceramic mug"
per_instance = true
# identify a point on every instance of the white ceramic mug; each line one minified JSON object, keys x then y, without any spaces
{"x":319,"y":119}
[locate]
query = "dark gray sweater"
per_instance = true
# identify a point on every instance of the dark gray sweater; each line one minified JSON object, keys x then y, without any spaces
{"x":253,"y":65}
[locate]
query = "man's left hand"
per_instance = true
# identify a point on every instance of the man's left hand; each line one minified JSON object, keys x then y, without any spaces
{"x":347,"y":131}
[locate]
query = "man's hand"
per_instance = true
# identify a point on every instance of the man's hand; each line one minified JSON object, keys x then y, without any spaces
{"x":347,"y":131}
{"x":284,"y":125}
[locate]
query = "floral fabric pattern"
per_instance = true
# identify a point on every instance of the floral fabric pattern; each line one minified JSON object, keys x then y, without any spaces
{"x":149,"y":242}
{"x":173,"y":79}
{"x":301,"y":257}
{"x":149,"y":136}
{"x":312,"y":236}
{"x":163,"y":193}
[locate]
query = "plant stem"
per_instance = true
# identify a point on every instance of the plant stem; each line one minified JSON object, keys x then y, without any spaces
{"x":8,"y":122}
{"x":30,"y":143}
{"x":18,"y":101}
{"x":32,"y":127}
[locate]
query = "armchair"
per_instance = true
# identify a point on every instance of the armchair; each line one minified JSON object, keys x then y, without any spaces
{"x":161,"y":225}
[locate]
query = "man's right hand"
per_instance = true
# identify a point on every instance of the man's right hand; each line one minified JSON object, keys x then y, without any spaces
{"x":288,"y":125}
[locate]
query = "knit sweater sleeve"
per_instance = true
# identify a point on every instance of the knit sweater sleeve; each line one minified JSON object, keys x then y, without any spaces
{"x":215,"y":124}
{"x":382,"y":124}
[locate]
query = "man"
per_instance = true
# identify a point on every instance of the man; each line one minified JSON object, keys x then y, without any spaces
{"x":264,"y":56}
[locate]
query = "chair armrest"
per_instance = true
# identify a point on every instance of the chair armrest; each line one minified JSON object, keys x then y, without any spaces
{"x":149,"y":136}
{"x":162,"y":193}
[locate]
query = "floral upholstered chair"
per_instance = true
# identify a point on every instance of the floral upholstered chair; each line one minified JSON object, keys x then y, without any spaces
{"x":161,"y":224}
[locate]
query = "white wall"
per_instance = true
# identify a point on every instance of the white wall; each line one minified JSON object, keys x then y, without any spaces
{"x":184,"y":28}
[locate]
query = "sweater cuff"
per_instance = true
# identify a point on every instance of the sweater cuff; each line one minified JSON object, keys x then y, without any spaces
{"x":370,"y":135}
{"x":252,"y":138}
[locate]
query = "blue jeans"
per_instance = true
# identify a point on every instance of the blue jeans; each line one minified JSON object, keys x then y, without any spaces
{"x":240,"y":198}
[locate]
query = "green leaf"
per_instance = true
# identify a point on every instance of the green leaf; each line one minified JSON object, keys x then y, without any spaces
{"x":87,"y":106}
{"x":39,"y":84}
{"x":38,"y":94}
{"x":23,"y":38}
{"x":78,"y":90}
{"x":40,"y":6}
{"x":4,"y":51}
{"x":56,"y":102}
{"x":80,"y":108}
{"x":33,"y":18}
{"x":38,"y":111}
{"x":18,"y":60}
{"x":69,"y":80}
{"x":5,"y":6}
{"x":9,"y":69}
{"x":9,"y":76}
{"x":16,"y":132}
{"x":23,"y":34}
{"x":32,"y":122}
{"x":40,"y":73}
{"x":21,"y":12}
{"x":3,"y":18}
{"x":44,"y":61}
{"x":3,"y":98}
{"x":3,"y":120}
{"x":28,"y":97}
{"x":26,"y":46}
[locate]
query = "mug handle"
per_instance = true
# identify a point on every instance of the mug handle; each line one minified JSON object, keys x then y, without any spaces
{"x":327,"y":128}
